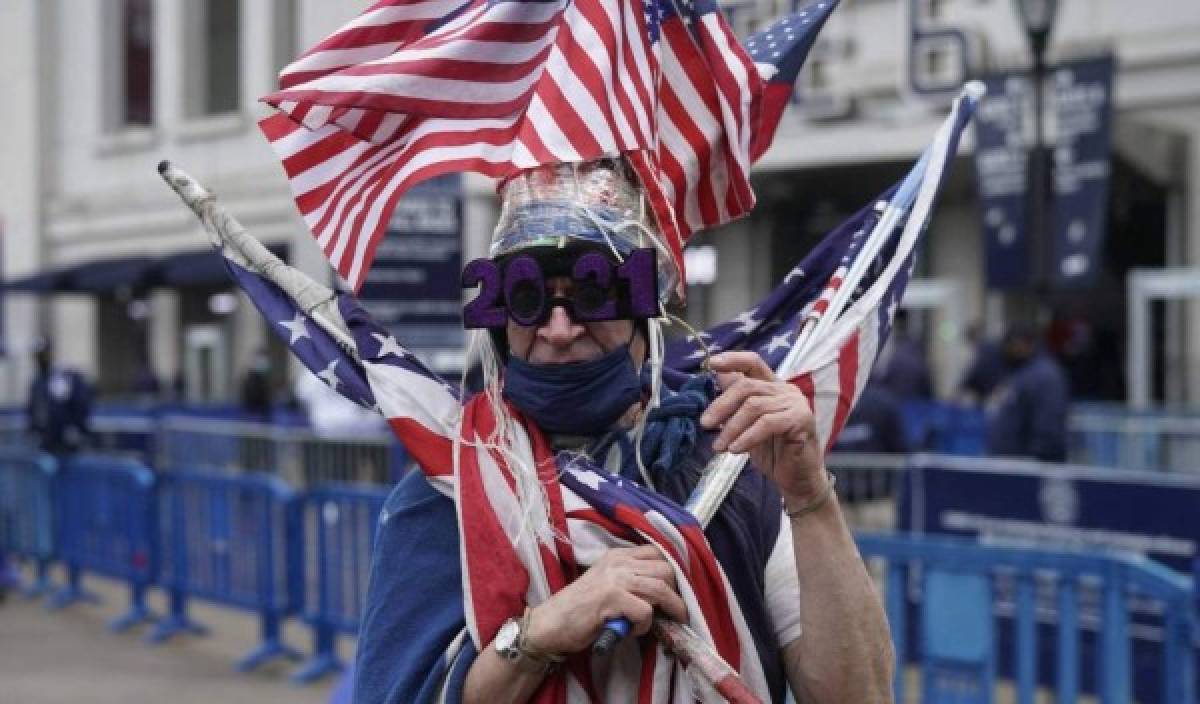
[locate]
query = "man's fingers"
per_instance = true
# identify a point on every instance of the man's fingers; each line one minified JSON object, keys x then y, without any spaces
{"x":638,"y":611}
{"x":762,"y":430}
{"x":661,"y":595}
{"x":746,"y":415}
{"x":731,"y":399}
{"x":748,"y":363}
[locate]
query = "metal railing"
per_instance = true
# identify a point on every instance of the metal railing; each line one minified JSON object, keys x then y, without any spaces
{"x":297,"y":455}
{"x":1132,"y":440}
{"x":958,"y":640}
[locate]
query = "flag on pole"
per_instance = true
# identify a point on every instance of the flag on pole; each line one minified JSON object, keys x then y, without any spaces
{"x":847,"y":289}
{"x":410,"y":90}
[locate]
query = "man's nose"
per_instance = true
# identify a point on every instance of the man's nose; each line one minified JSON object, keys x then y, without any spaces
{"x":559,"y":329}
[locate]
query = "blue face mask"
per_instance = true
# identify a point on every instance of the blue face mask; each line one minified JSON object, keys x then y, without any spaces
{"x":577,"y":398}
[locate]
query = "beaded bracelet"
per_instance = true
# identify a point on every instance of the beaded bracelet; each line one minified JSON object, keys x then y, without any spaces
{"x":817,"y":502}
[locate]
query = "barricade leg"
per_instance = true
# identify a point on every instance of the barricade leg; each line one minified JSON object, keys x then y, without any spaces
{"x":272,"y":646}
{"x":176,"y":622}
{"x":42,"y":584}
{"x":324,"y":660}
{"x":72,"y":591}
{"x":137,"y":613}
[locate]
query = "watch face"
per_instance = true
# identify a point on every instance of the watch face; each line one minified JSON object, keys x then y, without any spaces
{"x":506,"y":637}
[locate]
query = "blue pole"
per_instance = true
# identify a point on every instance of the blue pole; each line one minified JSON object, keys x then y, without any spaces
{"x":1068,"y":640}
{"x":1026,"y":638}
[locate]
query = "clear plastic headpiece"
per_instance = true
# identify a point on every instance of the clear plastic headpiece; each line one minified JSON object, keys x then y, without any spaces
{"x":597,"y":201}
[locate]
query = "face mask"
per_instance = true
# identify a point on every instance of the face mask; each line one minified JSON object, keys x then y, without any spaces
{"x":578,"y":398}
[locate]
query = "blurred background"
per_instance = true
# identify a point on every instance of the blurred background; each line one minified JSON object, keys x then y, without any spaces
{"x":1033,"y":424}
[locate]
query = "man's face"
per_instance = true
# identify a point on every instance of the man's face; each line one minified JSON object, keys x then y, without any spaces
{"x":560,"y":340}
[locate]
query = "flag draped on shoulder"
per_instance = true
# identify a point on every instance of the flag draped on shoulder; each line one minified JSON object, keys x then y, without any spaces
{"x":413,"y":89}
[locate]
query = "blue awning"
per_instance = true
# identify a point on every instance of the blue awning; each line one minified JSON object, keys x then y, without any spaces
{"x":41,"y":282}
{"x":112,"y":274}
{"x":198,"y":268}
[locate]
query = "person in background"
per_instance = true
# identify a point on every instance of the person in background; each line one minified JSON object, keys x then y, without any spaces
{"x":59,"y":406}
{"x":1027,"y":413}
{"x":876,"y":424}
{"x":987,"y":368}
{"x":256,"y":388}
{"x":902,"y":369}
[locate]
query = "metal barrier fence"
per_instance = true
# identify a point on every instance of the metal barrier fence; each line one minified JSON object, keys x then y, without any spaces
{"x":958,"y":639}
{"x":27,"y":511}
{"x":1117,"y":437}
{"x":106,"y":521}
{"x":337,"y":533}
{"x":867,"y":487}
{"x":226,"y":540}
{"x":297,"y":455}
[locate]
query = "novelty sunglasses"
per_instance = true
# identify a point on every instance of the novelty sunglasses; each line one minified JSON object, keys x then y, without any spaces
{"x":515,"y":287}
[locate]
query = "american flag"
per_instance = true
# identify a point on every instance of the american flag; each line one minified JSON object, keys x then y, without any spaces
{"x":868,"y":260}
{"x":412,"y":89}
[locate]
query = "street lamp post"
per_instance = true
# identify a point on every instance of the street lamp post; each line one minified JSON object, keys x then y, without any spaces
{"x":1037,"y":19}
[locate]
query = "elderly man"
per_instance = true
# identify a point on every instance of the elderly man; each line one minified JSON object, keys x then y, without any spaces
{"x":576,"y":346}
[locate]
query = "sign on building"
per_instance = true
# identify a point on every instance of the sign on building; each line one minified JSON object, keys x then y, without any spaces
{"x":1083,"y":104}
{"x":1002,"y":167}
{"x":413,"y":287}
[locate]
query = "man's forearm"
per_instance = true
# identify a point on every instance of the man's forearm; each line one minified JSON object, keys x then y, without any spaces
{"x":494,"y":680}
{"x":844,"y":653}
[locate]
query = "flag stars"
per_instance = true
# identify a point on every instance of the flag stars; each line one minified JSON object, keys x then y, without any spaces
{"x":746,"y":322}
{"x":329,"y":375}
{"x":781,"y":341}
{"x":388,"y":346}
{"x":296,"y":328}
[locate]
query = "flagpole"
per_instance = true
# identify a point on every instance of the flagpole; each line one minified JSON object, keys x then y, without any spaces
{"x":232,"y":240}
{"x":722,"y":471}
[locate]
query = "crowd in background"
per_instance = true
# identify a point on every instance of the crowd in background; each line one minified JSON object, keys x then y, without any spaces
{"x":1017,"y":381}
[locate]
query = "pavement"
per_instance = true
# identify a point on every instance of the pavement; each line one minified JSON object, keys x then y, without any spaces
{"x":70,"y":656}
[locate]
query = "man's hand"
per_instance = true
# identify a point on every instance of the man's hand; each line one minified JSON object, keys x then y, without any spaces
{"x":629,"y":582}
{"x":770,"y":419}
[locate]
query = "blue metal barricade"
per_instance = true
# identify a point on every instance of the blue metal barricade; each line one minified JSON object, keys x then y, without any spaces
{"x":27,"y":511}
{"x":106,"y":523}
{"x":958,"y":582}
{"x":337,"y":529}
{"x":225,"y":540}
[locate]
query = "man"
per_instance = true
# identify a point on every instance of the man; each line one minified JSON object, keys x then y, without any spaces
{"x":809,"y":611}
{"x":1027,"y":413}
{"x":60,"y":403}
{"x":902,"y":366}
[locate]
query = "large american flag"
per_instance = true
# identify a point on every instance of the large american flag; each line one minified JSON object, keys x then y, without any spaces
{"x":411,"y":89}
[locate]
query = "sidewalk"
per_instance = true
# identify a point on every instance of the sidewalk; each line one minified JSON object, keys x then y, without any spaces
{"x":70,"y":656}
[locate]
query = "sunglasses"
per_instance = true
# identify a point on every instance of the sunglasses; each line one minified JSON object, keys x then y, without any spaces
{"x":516,"y":287}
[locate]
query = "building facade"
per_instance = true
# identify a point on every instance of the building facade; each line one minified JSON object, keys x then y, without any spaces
{"x":99,"y":91}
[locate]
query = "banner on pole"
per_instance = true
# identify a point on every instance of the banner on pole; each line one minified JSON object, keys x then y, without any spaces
{"x":1083,"y":110}
{"x":1001,"y":162}
{"x":413,"y":287}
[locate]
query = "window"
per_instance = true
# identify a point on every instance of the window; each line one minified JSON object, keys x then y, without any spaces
{"x":136,"y":106}
{"x":287,"y":34}
{"x":215,"y":60}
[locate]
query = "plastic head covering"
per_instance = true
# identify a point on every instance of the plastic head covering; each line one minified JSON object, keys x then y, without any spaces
{"x":597,"y":201}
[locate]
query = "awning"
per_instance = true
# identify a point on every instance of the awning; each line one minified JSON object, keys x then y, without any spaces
{"x":112,"y":274}
{"x":198,"y":268}
{"x":41,"y":282}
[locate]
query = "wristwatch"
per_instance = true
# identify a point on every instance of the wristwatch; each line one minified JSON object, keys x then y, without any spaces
{"x":511,"y":644}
